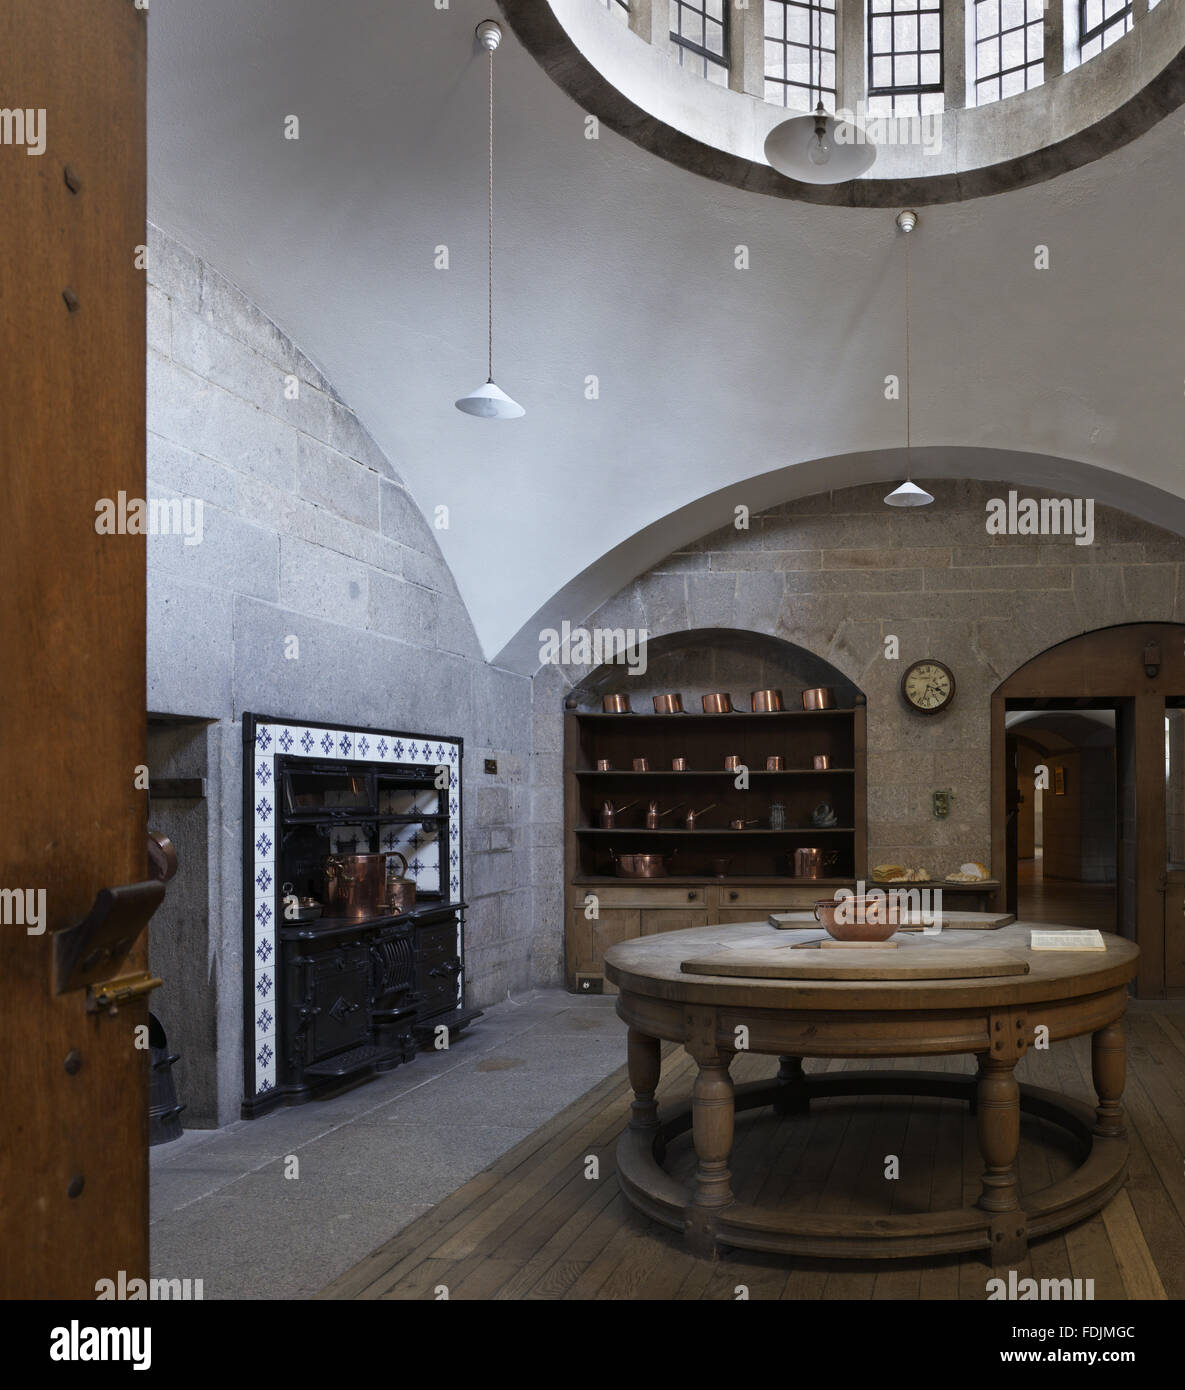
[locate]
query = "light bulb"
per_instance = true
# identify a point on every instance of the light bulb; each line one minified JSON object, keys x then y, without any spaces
{"x":819,"y":149}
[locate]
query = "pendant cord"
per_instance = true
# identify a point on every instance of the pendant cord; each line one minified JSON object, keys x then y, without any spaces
{"x":491,"y":327}
{"x":908,"y":470}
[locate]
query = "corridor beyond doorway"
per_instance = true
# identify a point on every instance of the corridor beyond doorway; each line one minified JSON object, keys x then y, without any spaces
{"x":1063,"y":901}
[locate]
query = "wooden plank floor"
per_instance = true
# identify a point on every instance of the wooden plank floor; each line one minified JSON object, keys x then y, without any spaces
{"x":533,"y":1225}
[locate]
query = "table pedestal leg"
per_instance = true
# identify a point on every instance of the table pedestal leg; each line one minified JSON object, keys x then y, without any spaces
{"x":712,"y":1123}
{"x":998,"y":1119}
{"x":644,"y":1059}
{"x":1108,"y":1062}
{"x":792,"y":1097}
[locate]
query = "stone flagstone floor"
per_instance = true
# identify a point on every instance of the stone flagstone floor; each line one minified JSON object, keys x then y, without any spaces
{"x":374,"y":1159}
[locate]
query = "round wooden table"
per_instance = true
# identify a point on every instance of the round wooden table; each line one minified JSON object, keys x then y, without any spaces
{"x":995,"y":1016}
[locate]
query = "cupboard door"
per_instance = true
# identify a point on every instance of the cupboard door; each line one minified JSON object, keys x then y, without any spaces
{"x":587,"y":941}
{"x":672,"y":919}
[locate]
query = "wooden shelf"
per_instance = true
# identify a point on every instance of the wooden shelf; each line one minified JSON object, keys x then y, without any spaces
{"x":713,"y":772}
{"x":597,"y":716}
{"x":677,"y":880}
{"x":722,"y":830}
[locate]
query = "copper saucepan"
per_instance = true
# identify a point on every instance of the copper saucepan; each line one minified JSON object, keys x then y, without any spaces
{"x":819,"y":697}
{"x":678,"y":764}
{"x":689,"y":819}
{"x":766,"y":701}
{"x":822,"y":762}
{"x":740,"y":824}
{"x":774,"y":763}
{"x":668,"y":704}
{"x":610,"y":812}
{"x":720,"y":703}
{"x":616,"y":704}
{"x":642,"y":865}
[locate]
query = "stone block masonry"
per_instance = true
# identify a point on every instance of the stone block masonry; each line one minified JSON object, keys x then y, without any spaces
{"x":309,"y":533}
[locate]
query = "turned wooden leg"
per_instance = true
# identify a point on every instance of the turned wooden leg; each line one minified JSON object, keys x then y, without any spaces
{"x":792,"y":1098}
{"x":998,"y":1116}
{"x":644,"y":1055}
{"x":1108,"y":1064}
{"x":712,"y":1129}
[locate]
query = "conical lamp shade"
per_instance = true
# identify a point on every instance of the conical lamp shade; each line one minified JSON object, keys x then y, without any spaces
{"x":793,"y":148}
{"x":909,"y":495}
{"x":490,"y":402}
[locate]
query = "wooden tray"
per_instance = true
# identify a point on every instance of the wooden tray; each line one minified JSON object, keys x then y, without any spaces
{"x":951,"y":921}
{"x":920,"y":958}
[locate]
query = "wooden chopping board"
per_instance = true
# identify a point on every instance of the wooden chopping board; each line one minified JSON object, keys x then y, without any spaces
{"x":951,"y":921}
{"x":919,"y":958}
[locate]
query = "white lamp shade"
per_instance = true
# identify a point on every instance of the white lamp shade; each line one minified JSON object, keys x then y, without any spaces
{"x":789,"y":147}
{"x":490,"y":402}
{"x":909,"y":495}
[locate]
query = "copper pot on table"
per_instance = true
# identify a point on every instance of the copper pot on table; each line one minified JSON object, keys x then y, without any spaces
{"x":819,"y":697}
{"x":668,"y":704}
{"x":766,"y":701}
{"x":719,"y":703}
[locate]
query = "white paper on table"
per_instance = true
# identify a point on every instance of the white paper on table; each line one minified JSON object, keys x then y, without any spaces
{"x":1066,"y":941}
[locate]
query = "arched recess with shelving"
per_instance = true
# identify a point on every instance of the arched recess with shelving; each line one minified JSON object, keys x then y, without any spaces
{"x":712,"y":873}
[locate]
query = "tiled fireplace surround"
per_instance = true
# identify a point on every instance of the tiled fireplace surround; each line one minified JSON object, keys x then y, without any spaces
{"x":346,"y":744}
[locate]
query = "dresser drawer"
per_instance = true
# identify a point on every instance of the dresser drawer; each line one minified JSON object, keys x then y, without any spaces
{"x":641,"y":894}
{"x":771,"y":897}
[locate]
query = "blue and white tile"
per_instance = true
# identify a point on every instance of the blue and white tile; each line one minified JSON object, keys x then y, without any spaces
{"x":263,"y":914}
{"x":265,"y":740}
{"x":264,"y":954}
{"x":265,"y":1064}
{"x":263,"y":1019}
{"x":265,"y":989}
{"x":286,"y":736}
{"x":306,"y":741}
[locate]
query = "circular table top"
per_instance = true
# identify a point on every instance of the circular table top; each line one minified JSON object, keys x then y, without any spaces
{"x":652,"y":965}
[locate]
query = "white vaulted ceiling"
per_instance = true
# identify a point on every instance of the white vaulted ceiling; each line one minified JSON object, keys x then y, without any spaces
{"x":616,"y":264}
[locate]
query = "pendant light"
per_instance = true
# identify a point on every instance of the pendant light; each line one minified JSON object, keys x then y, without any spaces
{"x":806,"y":148}
{"x":908,"y":494}
{"x":489,"y":401}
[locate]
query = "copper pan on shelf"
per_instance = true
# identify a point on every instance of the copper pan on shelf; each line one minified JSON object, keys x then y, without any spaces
{"x":668,"y":704}
{"x":718,"y":703}
{"x":642,"y":865}
{"x":766,"y":701}
{"x":616,"y":704}
{"x":819,"y":697}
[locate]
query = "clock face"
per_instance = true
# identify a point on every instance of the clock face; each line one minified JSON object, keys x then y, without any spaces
{"x":928,"y":686}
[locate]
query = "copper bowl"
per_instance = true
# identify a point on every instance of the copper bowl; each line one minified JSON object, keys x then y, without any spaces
{"x":642,"y":865}
{"x":822,"y":762}
{"x":766,"y":701}
{"x":668,"y":704}
{"x":867,"y":918}
{"x":717,"y":704}
{"x":616,"y":704}
{"x":820,"y":697}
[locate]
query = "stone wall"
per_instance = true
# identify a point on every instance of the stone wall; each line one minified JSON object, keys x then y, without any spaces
{"x":308,"y":532}
{"x":841,"y":573}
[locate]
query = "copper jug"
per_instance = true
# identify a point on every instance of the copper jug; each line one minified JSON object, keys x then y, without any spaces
{"x":610,"y":812}
{"x":813,"y":863}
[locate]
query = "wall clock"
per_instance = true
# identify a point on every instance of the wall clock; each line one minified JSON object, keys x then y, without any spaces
{"x":928,"y":686}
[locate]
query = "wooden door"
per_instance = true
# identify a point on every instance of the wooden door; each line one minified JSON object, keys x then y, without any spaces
{"x":73,"y":1162}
